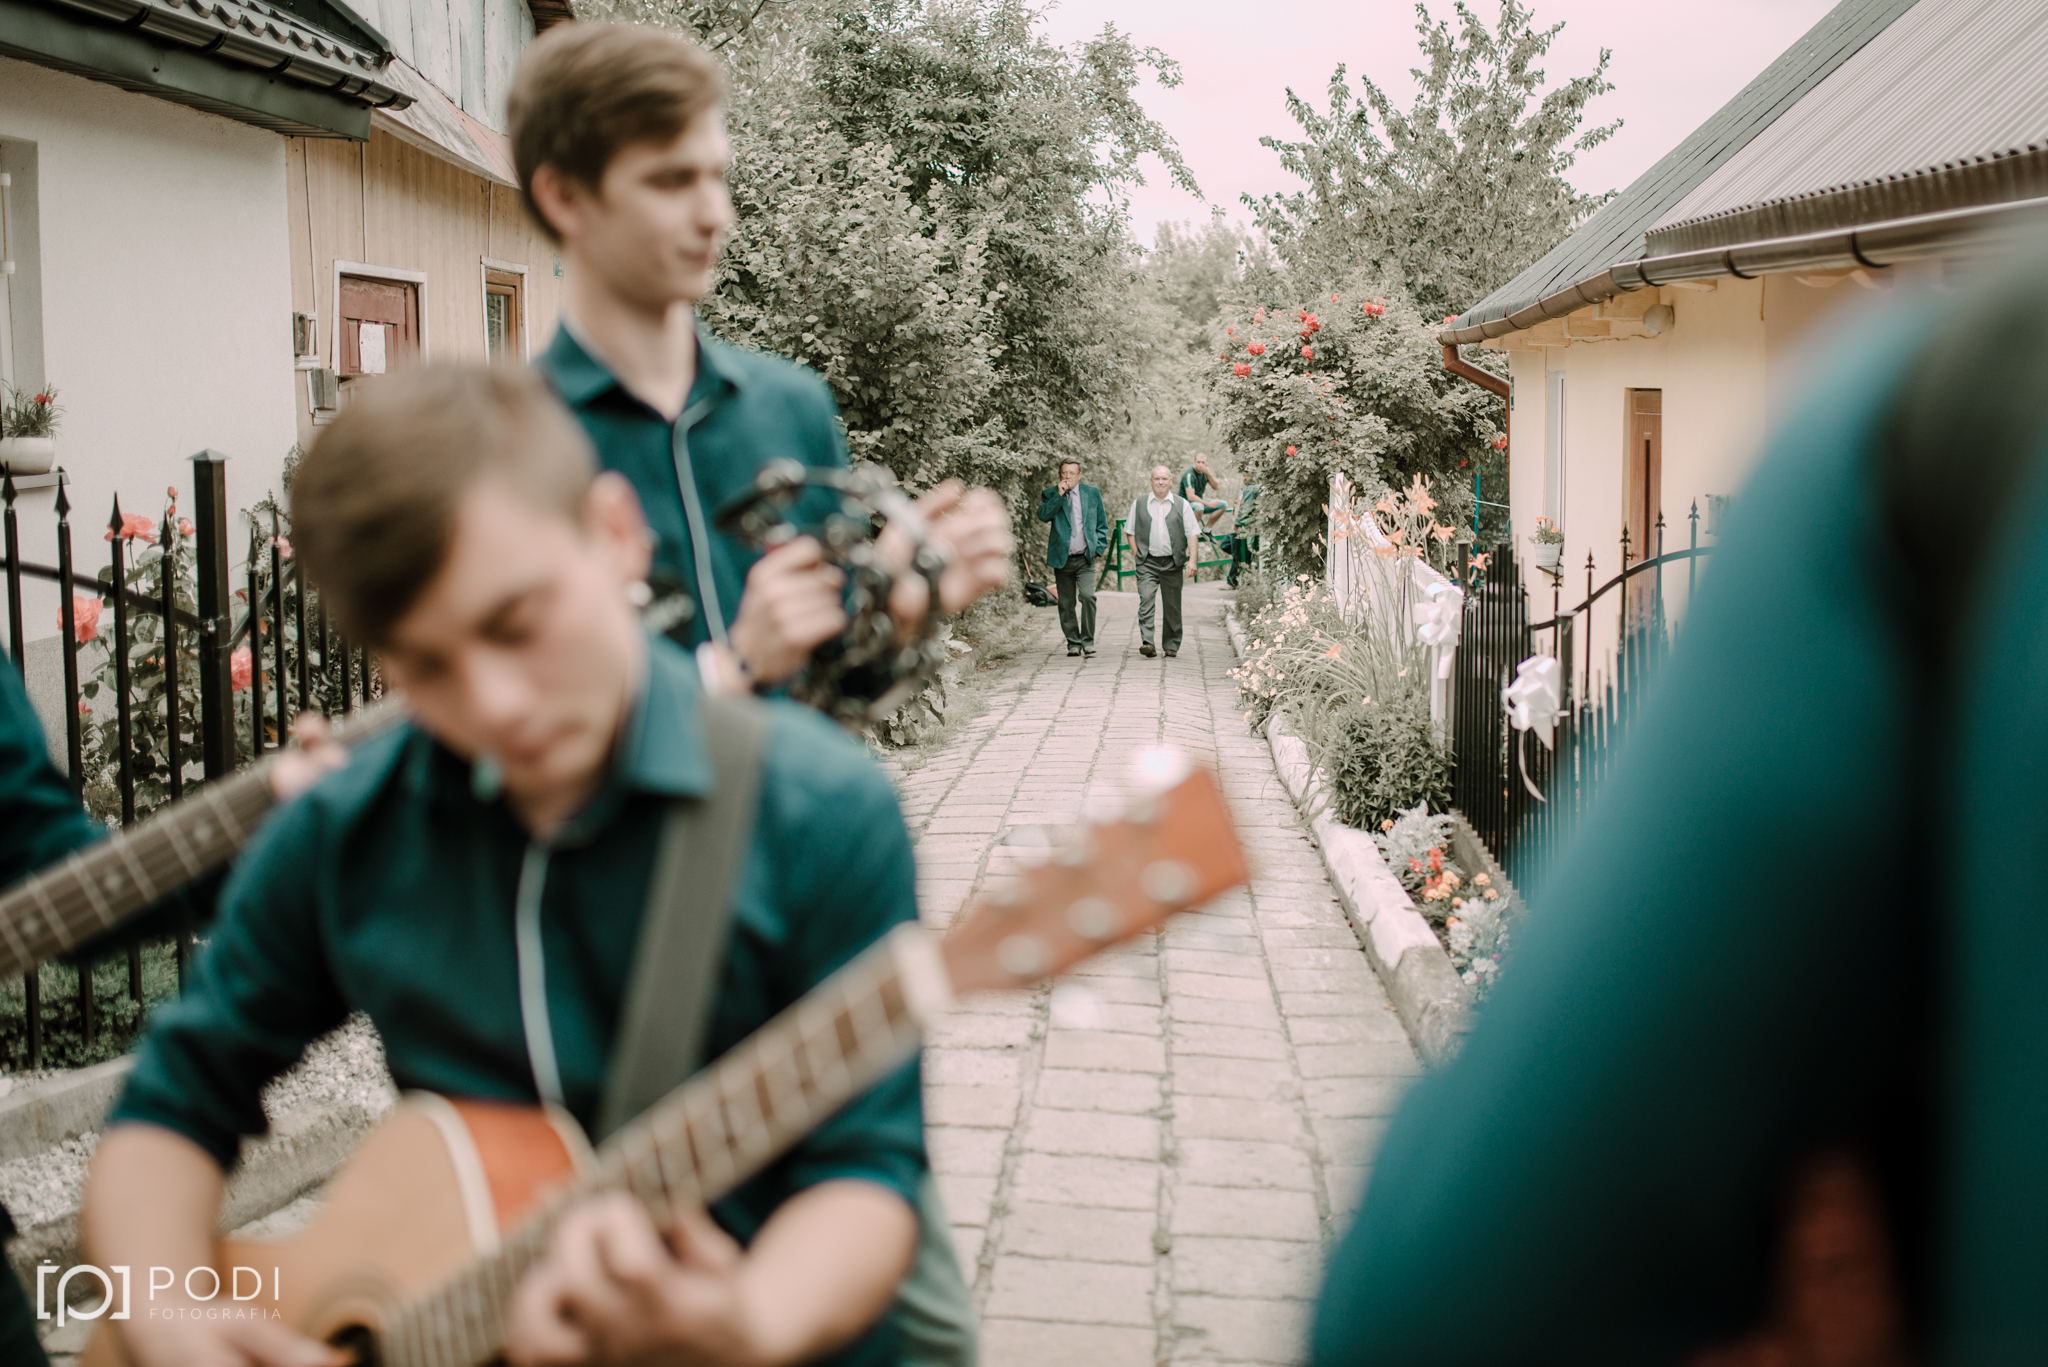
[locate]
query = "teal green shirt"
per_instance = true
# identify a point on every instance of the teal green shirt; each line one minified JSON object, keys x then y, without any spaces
{"x":1726,"y":970}
{"x":745,"y":408}
{"x":389,"y":889}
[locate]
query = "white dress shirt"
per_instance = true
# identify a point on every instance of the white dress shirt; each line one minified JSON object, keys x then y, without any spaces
{"x":1156,"y":541}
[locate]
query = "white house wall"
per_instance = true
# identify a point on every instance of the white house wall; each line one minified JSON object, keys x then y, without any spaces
{"x":1716,"y":367}
{"x":165,"y":306}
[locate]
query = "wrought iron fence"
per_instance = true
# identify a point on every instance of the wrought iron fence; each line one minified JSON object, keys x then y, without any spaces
{"x":1521,"y":796}
{"x":183,"y":682}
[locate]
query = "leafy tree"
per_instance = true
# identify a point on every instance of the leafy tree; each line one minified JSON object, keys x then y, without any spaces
{"x":1455,"y":195}
{"x":1348,"y":381}
{"x":932,"y":213}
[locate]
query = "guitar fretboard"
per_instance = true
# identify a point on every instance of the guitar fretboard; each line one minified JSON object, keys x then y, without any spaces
{"x":59,"y":908}
{"x":706,"y":1138}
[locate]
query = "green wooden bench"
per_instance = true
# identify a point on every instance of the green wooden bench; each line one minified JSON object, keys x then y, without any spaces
{"x":1113,"y":563}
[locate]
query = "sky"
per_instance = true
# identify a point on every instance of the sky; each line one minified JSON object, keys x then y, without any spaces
{"x":1670,"y":71}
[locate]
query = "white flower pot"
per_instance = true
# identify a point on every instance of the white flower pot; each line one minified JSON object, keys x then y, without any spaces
{"x":28,"y":455}
{"x":1546,"y":554}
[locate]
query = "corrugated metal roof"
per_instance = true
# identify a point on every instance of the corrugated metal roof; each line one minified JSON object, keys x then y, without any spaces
{"x":1947,"y":81}
{"x":1616,"y":232}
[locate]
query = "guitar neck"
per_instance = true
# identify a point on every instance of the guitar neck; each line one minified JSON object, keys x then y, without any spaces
{"x":102,"y":884}
{"x":706,"y":1138}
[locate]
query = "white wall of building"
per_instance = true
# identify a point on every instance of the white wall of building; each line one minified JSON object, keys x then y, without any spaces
{"x":1719,"y":367}
{"x":165,"y":302}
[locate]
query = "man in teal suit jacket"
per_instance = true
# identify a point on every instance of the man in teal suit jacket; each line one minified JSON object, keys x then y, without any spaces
{"x":1079,"y":536}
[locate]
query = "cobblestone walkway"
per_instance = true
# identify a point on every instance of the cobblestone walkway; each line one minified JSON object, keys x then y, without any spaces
{"x":1144,"y":1165}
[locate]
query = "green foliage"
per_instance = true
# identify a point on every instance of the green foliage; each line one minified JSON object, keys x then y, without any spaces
{"x":119,"y":1019}
{"x":1370,"y":399}
{"x":1455,"y":195}
{"x":931,"y":202}
{"x":1382,"y":757}
{"x":29,"y":412}
{"x":149,"y":677}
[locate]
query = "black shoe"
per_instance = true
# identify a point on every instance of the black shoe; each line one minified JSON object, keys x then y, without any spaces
{"x":1088,"y":651}
{"x":1072,"y":651}
{"x":1171,"y":653}
{"x":1146,"y":650}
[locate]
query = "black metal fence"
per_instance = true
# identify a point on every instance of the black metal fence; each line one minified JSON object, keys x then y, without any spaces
{"x":182,"y":680}
{"x":1523,"y":797}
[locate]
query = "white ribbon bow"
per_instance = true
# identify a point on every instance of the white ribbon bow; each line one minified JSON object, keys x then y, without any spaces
{"x":1438,"y":621}
{"x":1536,"y":696}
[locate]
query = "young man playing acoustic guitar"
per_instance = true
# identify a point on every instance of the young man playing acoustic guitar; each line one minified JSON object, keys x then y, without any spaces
{"x":619,"y":137}
{"x":476,"y":884}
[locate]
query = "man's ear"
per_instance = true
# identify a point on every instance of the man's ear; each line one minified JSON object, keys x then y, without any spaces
{"x":611,"y":512}
{"x":560,"y":200}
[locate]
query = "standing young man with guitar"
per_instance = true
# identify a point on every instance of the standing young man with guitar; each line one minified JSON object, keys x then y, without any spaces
{"x":478,"y":882}
{"x":619,"y":136}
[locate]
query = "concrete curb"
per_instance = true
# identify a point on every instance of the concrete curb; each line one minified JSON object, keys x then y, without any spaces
{"x":1434,"y":1004}
{"x":302,"y":1150}
{"x":44,"y":1114}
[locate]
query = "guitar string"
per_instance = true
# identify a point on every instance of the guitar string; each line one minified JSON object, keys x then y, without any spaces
{"x":870,"y":979}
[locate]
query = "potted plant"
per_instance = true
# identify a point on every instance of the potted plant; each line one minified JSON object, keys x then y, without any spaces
{"x":1546,"y":545}
{"x":28,"y":429}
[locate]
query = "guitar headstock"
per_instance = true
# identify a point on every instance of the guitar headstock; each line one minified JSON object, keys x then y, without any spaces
{"x":1172,"y":847}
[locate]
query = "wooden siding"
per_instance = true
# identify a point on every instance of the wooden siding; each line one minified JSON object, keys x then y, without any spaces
{"x":424,"y":215}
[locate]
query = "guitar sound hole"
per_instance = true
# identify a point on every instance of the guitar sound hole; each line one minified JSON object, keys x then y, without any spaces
{"x":359,"y":1343}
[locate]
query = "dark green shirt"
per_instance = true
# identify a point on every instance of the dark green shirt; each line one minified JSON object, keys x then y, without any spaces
{"x":1797,"y":888}
{"x":745,"y":409}
{"x":389,"y":889}
{"x":41,"y":820}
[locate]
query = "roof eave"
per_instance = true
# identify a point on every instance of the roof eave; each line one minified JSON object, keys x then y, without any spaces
{"x":1890,"y":243}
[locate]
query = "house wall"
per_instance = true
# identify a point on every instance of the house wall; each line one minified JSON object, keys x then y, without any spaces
{"x":162,"y":267}
{"x":1719,"y":366}
{"x":386,"y":203}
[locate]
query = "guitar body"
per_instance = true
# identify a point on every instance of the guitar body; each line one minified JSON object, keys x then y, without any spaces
{"x":428,"y":1191}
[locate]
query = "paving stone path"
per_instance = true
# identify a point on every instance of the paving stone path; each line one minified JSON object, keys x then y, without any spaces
{"x":1146,"y":1165}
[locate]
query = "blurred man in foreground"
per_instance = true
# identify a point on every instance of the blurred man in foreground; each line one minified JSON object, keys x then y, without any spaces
{"x":1767,"y":1083}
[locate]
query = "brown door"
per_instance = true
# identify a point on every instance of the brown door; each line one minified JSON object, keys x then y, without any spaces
{"x":1645,"y":487}
{"x":390,"y":310}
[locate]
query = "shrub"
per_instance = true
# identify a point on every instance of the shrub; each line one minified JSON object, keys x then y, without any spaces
{"x":1381,"y":758}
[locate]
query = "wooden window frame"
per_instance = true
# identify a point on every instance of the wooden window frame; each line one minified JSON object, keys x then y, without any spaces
{"x":391,"y":275}
{"x":488,"y":266}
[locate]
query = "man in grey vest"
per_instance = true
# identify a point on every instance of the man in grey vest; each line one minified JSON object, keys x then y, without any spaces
{"x":1162,"y":530}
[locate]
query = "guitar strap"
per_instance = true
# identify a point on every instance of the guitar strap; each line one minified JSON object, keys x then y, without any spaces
{"x":660,"y":1039}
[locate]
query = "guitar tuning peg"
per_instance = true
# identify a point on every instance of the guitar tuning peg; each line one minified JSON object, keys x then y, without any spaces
{"x":1006,"y":893}
{"x":1077,"y":851}
{"x":1023,"y":957}
{"x":1169,"y":882}
{"x":1145,"y":810}
{"x":1094,"y":918}
{"x":1102,"y":808}
{"x":1160,"y":768}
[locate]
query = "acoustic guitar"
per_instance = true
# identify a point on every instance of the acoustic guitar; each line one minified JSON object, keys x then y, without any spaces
{"x":95,"y":888}
{"x":424,"y":1234}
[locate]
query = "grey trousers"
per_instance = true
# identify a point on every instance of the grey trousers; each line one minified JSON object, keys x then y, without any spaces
{"x":1076,"y":583}
{"x":934,"y":1312}
{"x":1159,"y":579}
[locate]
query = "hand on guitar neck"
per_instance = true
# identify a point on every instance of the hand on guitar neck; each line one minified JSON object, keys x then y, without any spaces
{"x":461,"y":1233}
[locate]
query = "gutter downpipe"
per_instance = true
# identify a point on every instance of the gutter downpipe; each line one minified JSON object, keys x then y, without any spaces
{"x":1485,"y":379}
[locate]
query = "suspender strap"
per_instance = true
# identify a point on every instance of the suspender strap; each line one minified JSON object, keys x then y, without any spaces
{"x":704,"y":844}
